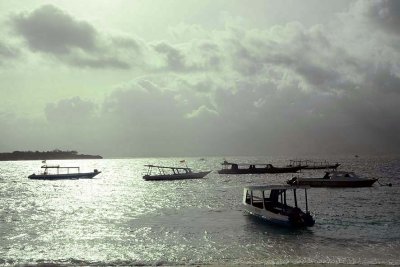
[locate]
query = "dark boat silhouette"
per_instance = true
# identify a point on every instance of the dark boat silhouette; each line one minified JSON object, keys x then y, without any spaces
{"x":313,"y":165}
{"x":248,"y":168}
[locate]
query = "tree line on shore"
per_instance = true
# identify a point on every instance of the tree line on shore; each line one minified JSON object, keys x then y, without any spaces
{"x":46,"y":155}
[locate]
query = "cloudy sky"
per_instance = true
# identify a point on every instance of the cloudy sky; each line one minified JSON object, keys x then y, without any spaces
{"x":196,"y":78}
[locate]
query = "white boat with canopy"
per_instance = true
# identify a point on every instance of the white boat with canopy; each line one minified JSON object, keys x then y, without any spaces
{"x":278,"y":204}
{"x":334,"y":179}
{"x":62,"y":173}
{"x":156,"y":172}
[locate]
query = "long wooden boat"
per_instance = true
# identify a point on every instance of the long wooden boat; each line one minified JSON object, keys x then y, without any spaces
{"x":313,"y":165}
{"x":274,"y":204}
{"x":334,"y":179}
{"x":172,"y":173}
{"x":245,"y":168}
{"x":67,"y":174}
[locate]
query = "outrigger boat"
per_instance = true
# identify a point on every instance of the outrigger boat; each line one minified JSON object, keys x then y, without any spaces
{"x":68,"y":175}
{"x":334,"y":179}
{"x":313,"y":165}
{"x":245,"y":168}
{"x":271,"y":203}
{"x":172,"y":173}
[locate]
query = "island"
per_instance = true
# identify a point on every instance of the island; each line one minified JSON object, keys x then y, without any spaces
{"x":45,"y":155}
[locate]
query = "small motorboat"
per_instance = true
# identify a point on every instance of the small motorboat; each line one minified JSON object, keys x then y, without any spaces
{"x":172,"y":173}
{"x":274,"y":204}
{"x":246,"y":168}
{"x":334,"y":179}
{"x":62,"y":173}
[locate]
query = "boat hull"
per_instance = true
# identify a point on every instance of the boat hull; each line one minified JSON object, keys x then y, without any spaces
{"x":260,"y":170}
{"x":67,"y":176}
{"x":274,"y":218}
{"x":181,"y":176}
{"x":315,"y":182}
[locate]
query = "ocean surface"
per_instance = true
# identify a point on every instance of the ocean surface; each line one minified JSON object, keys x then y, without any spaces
{"x":117,"y":218}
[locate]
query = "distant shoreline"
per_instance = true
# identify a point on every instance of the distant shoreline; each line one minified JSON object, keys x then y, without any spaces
{"x":45,"y":155}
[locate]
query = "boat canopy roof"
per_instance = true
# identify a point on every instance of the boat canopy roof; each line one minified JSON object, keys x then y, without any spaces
{"x":57,"y":167}
{"x":165,"y":167}
{"x":244,"y":164}
{"x":312,"y":162}
{"x":275,"y":187}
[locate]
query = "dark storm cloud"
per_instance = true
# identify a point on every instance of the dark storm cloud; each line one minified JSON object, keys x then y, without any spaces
{"x":384,"y":80}
{"x":126,"y":42}
{"x":209,"y":55}
{"x":50,"y":30}
{"x":385,"y":13}
{"x":77,"y":43}
{"x":195,"y":56}
{"x":175,"y":60}
{"x":99,"y":63}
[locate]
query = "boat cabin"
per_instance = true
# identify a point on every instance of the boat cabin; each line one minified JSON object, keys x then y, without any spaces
{"x":340,"y":175}
{"x":250,"y":166}
{"x":245,"y":166}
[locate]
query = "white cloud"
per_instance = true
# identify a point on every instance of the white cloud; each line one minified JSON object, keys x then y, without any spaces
{"x":201,"y":112}
{"x":7,"y":51}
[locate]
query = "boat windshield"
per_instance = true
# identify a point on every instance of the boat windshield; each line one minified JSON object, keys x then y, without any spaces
{"x":345,"y":174}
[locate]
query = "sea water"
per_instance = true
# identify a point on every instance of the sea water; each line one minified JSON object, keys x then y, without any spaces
{"x":117,"y":218}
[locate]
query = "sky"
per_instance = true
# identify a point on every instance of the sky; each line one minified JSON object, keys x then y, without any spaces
{"x":146,"y":78}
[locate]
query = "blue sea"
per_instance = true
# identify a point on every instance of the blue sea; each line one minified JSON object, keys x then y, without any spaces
{"x":117,"y":218}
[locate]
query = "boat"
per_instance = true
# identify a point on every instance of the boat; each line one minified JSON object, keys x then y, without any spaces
{"x":334,"y":179}
{"x":274,"y":204}
{"x":171,"y":173}
{"x":245,"y":168}
{"x":67,"y":174}
{"x":313,"y":165}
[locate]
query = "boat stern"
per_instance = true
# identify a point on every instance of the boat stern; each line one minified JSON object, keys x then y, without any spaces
{"x":300,"y":219}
